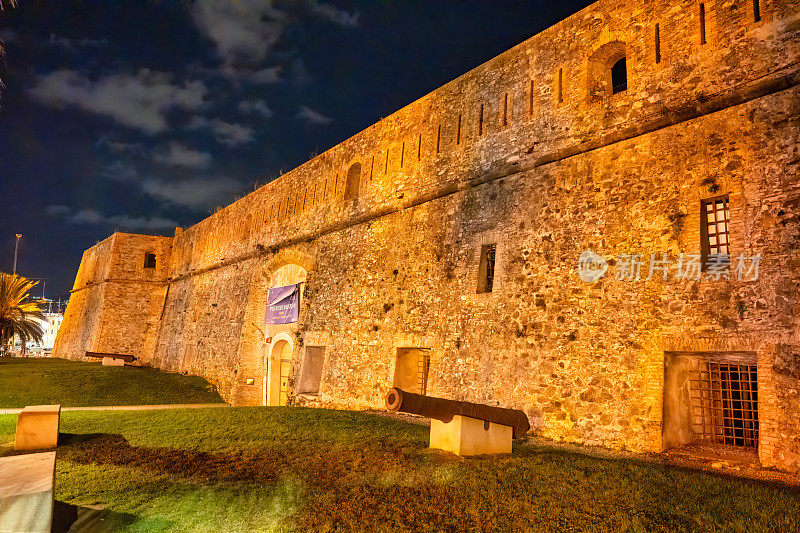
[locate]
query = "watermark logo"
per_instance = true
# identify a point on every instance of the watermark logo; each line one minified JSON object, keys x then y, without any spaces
{"x":686,"y":267}
{"x":591,"y":266}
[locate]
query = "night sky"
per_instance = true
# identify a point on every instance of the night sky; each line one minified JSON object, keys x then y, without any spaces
{"x":143,"y":116}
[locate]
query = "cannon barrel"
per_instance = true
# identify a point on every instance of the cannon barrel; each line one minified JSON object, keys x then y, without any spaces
{"x":444,"y":410}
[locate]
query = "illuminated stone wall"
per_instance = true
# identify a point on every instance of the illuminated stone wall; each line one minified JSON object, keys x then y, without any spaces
{"x":116,"y":303}
{"x":545,"y":169}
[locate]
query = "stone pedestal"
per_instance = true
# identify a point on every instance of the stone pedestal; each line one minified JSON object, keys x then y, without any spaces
{"x":113,"y":361}
{"x":26,"y":492}
{"x":37,"y":427}
{"x":470,"y":436}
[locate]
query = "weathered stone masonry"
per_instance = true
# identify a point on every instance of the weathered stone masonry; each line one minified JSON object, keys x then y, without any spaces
{"x":535,"y":153}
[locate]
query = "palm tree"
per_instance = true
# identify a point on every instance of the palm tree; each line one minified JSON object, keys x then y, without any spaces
{"x":3,"y":4}
{"x":19,"y":315}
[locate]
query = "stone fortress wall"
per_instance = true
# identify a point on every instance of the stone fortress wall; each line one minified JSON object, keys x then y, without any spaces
{"x":532,"y":153}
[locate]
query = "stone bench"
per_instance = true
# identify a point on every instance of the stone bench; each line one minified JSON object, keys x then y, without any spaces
{"x":112,"y":359}
{"x":26,"y":492}
{"x":37,"y":427}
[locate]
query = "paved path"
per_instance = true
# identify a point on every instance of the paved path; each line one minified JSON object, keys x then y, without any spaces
{"x":128,"y":407}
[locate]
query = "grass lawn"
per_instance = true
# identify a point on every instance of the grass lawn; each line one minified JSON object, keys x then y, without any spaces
{"x":276,"y":468}
{"x":40,"y":381}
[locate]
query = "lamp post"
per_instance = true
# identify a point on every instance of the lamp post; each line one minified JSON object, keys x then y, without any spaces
{"x":16,"y":249}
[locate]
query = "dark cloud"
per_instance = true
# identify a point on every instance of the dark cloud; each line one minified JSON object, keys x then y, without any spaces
{"x":306,"y":114}
{"x":227,"y":133}
{"x":75,"y":44}
{"x":138,"y":101}
{"x":120,"y":171}
{"x":257,"y":107}
{"x":180,"y":155}
{"x":334,"y":14}
{"x":243,"y":31}
{"x":197,"y":194}
{"x":95,"y":218}
{"x":9,"y":35}
{"x":115,"y":147}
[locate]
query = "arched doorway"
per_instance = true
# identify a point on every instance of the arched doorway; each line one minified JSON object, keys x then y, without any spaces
{"x":279,"y":354}
{"x":279,"y":365}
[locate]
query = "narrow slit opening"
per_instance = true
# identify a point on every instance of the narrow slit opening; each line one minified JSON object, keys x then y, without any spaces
{"x":658,"y":43}
{"x":560,"y":85}
{"x":702,"y":24}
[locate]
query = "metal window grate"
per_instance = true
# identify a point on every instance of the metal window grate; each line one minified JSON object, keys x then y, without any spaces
{"x":717,"y":218}
{"x":424,"y":365}
{"x":725,"y":403}
{"x":490,"y":251}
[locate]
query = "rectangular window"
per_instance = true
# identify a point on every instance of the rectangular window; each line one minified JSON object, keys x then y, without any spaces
{"x":724,"y":401}
{"x":311,"y":375}
{"x":419,"y":148}
{"x":438,"y":138}
{"x":386,"y":164}
{"x":658,"y":43}
{"x":756,"y":11}
{"x":411,"y":369}
{"x":371,"y":168}
{"x":505,"y":110}
{"x":715,"y":232}
{"x":702,"y":24}
{"x":480,"y":122}
{"x":149,"y":260}
{"x":402,"y":154}
{"x":486,"y":268}
{"x":458,"y":131}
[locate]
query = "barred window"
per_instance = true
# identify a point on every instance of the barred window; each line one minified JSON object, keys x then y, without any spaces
{"x":715,"y":219}
{"x":725,"y":403}
{"x":486,"y":268}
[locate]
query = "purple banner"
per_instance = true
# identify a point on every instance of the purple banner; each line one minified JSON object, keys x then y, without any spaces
{"x":283,"y":305}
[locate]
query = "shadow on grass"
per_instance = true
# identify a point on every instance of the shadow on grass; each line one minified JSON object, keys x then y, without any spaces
{"x":96,"y":520}
{"x":321,"y":463}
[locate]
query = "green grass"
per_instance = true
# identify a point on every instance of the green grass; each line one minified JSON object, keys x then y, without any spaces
{"x":270,"y":468}
{"x":41,"y":381}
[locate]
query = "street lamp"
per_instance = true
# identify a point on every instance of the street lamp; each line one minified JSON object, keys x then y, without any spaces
{"x":16,"y":249}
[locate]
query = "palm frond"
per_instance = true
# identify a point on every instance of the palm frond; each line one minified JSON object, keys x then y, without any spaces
{"x":19,"y":315}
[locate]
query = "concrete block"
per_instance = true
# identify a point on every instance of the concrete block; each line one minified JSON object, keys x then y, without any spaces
{"x":26,"y":492}
{"x":37,"y":427}
{"x":113,"y":361}
{"x":469,"y":436}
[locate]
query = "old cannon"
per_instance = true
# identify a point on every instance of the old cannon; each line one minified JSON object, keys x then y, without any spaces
{"x":463,"y":428}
